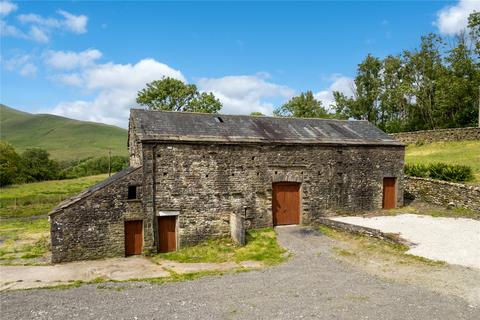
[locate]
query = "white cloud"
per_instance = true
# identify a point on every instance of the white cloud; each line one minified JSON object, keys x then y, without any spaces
{"x":340,"y":83}
{"x":453,"y":19}
{"x":38,"y":34}
{"x":245,"y":94}
{"x":115,"y":86}
{"x":21,"y":64}
{"x":41,"y":28}
{"x":7,"y":7}
{"x":7,"y":30}
{"x":68,"y":60}
{"x":77,"y":24}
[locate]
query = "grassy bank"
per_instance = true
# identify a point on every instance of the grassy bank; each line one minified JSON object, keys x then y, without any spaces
{"x":452,"y":152}
{"x":33,"y":199}
{"x":24,"y":226}
{"x":261,"y":246}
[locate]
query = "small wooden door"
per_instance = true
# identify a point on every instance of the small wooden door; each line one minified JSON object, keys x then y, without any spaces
{"x":167,"y":240}
{"x":389,"y":193}
{"x":286,"y":203}
{"x":133,"y":237}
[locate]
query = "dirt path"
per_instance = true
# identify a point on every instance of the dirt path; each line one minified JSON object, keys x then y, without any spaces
{"x":314,"y":284}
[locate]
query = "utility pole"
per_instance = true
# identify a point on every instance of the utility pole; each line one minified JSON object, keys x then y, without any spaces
{"x":109,"y":162}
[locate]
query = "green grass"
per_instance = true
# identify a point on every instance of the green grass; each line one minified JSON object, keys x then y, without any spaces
{"x":362,"y":247}
{"x":261,"y":246}
{"x":39,"y":198}
{"x":63,"y":138}
{"x":24,"y":226}
{"x":453,"y":152}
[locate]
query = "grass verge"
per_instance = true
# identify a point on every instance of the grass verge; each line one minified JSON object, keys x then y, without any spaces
{"x":360,"y":247}
{"x":261,"y":246}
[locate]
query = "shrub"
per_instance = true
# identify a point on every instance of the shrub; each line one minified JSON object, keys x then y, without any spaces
{"x":94,"y":166}
{"x":416,"y":170}
{"x":440,"y":171}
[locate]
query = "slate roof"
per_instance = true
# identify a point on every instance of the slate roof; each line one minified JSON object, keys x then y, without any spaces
{"x":68,"y":202}
{"x":202,"y":127}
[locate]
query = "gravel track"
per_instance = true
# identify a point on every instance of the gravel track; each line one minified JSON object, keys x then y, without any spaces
{"x":311,"y":285}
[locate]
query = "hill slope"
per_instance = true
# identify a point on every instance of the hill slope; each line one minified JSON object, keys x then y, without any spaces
{"x":63,"y":138}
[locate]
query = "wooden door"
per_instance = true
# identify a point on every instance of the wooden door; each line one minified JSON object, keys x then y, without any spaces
{"x":286,"y":203}
{"x":167,"y":240}
{"x":133,"y":237}
{"x":389,"y":193}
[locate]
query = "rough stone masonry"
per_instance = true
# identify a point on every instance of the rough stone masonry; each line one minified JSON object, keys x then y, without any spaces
{"x":200,"y":169}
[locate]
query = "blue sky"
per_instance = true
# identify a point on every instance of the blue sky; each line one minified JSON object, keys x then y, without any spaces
{"x":86,"y":60}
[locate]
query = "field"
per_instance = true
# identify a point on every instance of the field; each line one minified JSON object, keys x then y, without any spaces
{"x":24,"y":227}
{"x":63,"y":138}
{"x":454,"y":152}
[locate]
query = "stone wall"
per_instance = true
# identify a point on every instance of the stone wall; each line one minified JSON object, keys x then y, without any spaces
{"x":209,"y":182}
{"x":442,"y":192}
{"x":91,"y":225}
{"x":429,"y":136}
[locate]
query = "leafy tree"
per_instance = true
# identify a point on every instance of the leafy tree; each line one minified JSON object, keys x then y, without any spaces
{"x":38,"y":166}
{"x":10,"y":165}
{"x":365,"y":103}
{"x":256,"y":114}
{"x":303,"y":106}
{"x":174,"y":95}
{"x":474,"y":26}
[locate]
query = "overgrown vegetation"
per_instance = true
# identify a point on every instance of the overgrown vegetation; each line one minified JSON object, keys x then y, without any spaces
{"x":452,"y":152}
{"x":441,"y":171}
{"x":261,"y":246}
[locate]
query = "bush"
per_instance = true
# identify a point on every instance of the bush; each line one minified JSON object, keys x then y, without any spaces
{"x":440,"y":171}
{"x":416,"y":170}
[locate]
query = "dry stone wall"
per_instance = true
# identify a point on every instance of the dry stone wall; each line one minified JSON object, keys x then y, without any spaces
{"x":443,"y":193}
{"x":429,"y":136}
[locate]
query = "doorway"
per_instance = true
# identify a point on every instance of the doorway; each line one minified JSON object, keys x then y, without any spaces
{"x":167,"y":238}
{"x":133,"y":237}
{"x":389,"y":193}
{"x":286,"y":203}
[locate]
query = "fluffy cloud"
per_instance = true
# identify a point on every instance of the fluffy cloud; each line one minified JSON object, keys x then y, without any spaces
{"x":453,"y":19}
{"x":7,"y":7}
{"x":21,"y":64}
{"x":245,"y":94}
{"x":68,"y":60}
{"x":339,"y":83}
{"x":40,"y":28}
{"x":115,"y":86}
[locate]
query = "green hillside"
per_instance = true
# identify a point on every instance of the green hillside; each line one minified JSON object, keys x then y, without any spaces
{"x":63,"y":138}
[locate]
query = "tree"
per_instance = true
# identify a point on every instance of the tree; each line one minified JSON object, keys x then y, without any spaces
{"x":10,"y":165}
{"x":303,"y":106}
{"x":174,"y":95}
{"x":38,"y":166}
{"x":365,"y":103}
{"x":474,"y":26}
{"x":256,"y":114}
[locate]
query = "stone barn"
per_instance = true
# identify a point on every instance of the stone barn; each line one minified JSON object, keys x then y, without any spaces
{"x":193,"y":176}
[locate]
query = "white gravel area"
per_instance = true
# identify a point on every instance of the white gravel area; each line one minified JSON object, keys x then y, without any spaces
{"x":453,"y":240}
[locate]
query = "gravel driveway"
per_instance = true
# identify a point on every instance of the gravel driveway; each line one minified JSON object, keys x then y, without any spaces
{"x":453,"y":240}
{"x":312,"y":285}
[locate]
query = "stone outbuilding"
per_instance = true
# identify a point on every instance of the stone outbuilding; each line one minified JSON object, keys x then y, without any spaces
{"x":195,"y":176}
